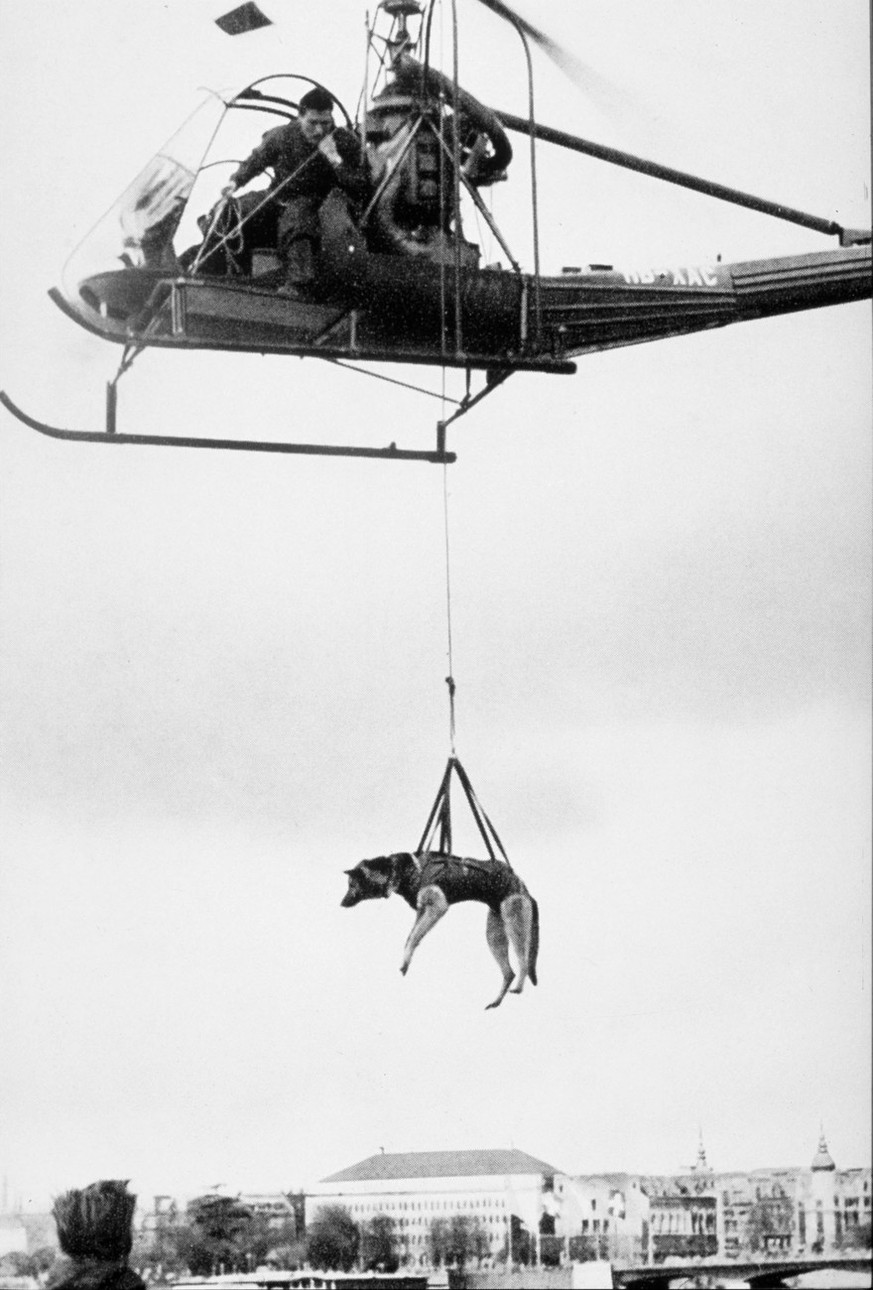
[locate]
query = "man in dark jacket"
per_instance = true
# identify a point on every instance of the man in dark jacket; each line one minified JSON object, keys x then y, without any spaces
{"x":309,"y":158}
{"x":96,"y":1237}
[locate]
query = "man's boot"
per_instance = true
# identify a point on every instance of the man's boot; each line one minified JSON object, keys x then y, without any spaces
{"x":299,"y":261}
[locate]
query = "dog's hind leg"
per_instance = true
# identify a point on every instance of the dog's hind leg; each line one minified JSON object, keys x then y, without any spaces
{"x":518,"y":919}
{"x":432,"y":904}
{"x":495,"y":934}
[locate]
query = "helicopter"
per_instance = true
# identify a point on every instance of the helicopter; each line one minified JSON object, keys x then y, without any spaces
{"x":397,"y":279}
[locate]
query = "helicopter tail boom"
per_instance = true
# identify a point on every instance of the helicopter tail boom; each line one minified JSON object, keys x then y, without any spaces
{"x":606,"y":308}
{"x":767,"y":287}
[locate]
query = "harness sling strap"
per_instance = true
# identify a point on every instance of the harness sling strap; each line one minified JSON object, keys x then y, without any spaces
{"x":440,"y":812}
{"x":479,"y":814}
{"x":441,"y":816}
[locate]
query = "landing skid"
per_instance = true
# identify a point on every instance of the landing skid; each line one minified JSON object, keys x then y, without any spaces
{"x":109,"y":436}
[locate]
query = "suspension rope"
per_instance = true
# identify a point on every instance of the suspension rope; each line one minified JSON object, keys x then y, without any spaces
{"x":231,"y":203}
{"x":456,"y":178}
{"x":450,"y":679}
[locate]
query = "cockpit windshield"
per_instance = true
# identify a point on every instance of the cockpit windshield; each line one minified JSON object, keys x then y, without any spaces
{"x":137,"y":231}
{"x":181,"y":216}
{"x":164,"y":211}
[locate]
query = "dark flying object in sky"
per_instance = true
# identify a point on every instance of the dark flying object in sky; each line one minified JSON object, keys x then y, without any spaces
{"x":245,"y":17}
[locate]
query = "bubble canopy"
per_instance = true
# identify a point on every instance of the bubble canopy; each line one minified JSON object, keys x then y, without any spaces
{"x":160,"y":212}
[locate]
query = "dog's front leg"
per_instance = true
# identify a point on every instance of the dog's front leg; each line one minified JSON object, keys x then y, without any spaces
{"x":432,"y":904}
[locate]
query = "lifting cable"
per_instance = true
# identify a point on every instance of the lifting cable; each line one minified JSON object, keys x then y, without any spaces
{"x":450,"y":679}
{"x":441,"y":812}
{"x":438,"y":829}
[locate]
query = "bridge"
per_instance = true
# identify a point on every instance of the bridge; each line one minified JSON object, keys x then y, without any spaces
{"x":764,"y":1274}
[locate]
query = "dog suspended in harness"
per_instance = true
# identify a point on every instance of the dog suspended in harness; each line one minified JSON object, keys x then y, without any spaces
{"x":432,"y":880}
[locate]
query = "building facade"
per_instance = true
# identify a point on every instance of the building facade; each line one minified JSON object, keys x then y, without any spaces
{"x":505,"y":1194}
{"x":764,"y":1212}
{"x":26,"y":1232}
{"x":511,"y":1196}
{"x":13,"y":1237}
{"x":604,"y":1216}
{"x":757,"y":1212}
{"x":282,"y":1211}
{"x":818,"y":1209}
{"x":851,"y":1203}
{"x":682,"y":1225}
{"x":832,"y":1204}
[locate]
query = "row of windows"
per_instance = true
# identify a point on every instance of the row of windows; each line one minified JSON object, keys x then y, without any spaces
{"x":409,"y":1241}
{"x":743,"y":1202}
{"x":486,"y":1219}
{"x":431,"y":1206}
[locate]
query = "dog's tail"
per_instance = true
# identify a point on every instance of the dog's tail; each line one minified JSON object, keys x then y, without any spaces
{"x":534,"y":941}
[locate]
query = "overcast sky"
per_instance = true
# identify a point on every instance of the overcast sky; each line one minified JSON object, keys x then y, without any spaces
{"x":223,"y":677}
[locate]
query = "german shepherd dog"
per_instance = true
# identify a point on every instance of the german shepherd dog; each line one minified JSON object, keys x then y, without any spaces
{"x":430,"y":882}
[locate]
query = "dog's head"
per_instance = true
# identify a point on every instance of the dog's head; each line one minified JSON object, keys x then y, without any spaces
{"x":369,"y":880}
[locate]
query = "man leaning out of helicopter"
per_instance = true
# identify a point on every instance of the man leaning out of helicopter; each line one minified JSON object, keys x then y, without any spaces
{"x":309,"y":157}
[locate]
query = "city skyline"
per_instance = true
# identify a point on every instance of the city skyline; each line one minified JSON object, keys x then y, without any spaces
{"x":702,"y":1166}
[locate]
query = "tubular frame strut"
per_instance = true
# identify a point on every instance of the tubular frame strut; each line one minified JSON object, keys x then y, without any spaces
{"x":681,"y":178}
{"x":492,"y":380}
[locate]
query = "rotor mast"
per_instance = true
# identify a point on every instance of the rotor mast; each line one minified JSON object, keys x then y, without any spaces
{"x":401,"y":39}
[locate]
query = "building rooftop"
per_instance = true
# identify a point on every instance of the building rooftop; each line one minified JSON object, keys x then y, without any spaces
{"x":441,"y":1164}
{"x":822,"y":1158}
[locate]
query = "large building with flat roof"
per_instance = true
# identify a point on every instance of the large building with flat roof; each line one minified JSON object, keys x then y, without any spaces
{"x":414,"y":1188}
{"x":634,"y":1217}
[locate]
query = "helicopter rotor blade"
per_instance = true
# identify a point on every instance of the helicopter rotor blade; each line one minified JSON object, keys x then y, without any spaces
{"x":610,"y":97}
{"x":564,"y":59}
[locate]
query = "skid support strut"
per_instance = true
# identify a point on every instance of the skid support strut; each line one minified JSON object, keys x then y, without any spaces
{"x":492,"y":380}
{"x":111,"y":406}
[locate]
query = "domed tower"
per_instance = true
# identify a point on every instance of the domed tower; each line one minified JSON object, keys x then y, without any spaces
{"x":821,"y":1221}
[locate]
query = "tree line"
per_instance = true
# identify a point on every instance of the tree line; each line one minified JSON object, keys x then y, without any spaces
{"x":222,"y":1234}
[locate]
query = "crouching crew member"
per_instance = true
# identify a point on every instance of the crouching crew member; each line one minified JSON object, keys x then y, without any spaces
{"x":309,"y":157}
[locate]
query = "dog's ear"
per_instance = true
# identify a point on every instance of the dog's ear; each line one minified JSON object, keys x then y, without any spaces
{"x":363,"y":866}
{"x":379,"y":871}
